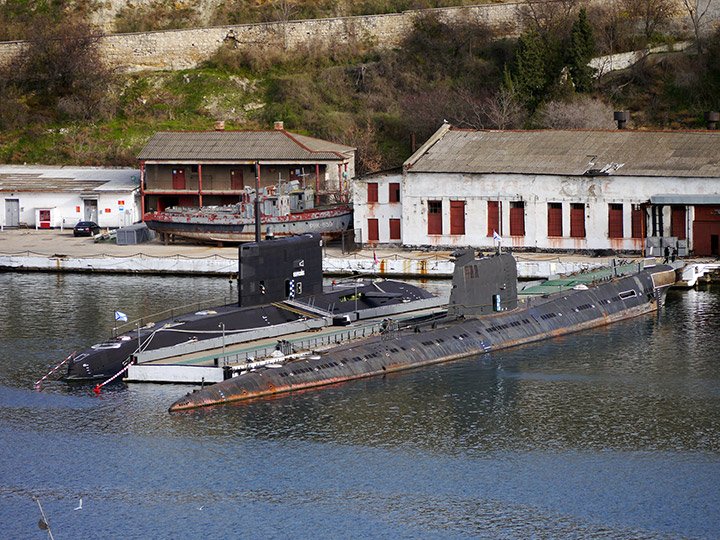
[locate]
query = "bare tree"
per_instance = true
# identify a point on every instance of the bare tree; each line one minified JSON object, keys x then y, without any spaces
{"x":550,"y":20}
{"x":61,"y":65}
{"x":583,"y":112}
{"x":697,"y":9}
{"x":651,"y":13}
{"x":283,"y":11}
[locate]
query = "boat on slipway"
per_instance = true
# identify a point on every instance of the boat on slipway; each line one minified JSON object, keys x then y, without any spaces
{"x":280,"y":292}
{"x":285,"y":210}
{"x":485,"y":313}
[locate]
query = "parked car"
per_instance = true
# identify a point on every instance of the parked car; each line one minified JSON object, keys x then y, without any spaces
{"x":86,"y":228}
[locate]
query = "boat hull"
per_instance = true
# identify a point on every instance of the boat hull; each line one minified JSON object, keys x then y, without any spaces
{"x":538,"y":319}
{"x":330,"y":223}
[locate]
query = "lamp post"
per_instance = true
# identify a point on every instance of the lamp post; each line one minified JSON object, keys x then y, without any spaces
{"x":222,"y":325}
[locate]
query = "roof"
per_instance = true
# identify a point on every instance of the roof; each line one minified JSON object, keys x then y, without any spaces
{"x":240,"y":146}
{"x":42,"y":178}
{"x":570,"y":152}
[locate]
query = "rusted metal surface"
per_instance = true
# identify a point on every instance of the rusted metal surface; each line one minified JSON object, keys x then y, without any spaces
{"x":420,"y":345}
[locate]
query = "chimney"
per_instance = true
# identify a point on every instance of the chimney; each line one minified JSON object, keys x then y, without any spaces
{"x":279,"y":125}
{"x":711,"y":119}
{"x":220,"y":125}
{"x":621,"y":117}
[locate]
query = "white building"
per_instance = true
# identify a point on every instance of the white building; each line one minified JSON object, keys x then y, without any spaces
{"x":58,"y":197}
{"x":551,"y":190}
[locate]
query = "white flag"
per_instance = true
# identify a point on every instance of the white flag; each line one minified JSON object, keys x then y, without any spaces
{"x":120,"y":316}
{"x":497,"y":237}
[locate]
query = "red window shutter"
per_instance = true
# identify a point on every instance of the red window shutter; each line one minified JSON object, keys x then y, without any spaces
{"x":555,"y":219}
{"x":434,"y":217}
{"x":372,"y":192}
{"x":394,"y":229}
{"x":637,"y":221}
{"x":373,"y":230}
{"x":677,"y":221}
{"x":615,"y":220}
{"x":517,"y":218}
{"x":577,"y":220}
{"x":493,"y":218}
{"x":457,"y":217}
{"x":394,"y":195}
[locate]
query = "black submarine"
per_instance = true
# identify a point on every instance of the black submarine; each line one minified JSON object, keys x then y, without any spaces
{"x":280,"y":284}
{"x":484,"y":314}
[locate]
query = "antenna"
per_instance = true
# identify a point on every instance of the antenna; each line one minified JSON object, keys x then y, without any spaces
{"x":44,"y":524}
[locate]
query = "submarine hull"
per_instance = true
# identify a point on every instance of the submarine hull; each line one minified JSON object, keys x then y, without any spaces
{"x":533,"y":320}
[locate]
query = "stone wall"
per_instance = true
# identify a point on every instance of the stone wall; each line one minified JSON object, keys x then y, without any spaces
{"x":183,"y":49}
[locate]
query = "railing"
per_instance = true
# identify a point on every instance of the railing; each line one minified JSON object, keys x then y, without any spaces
{"x":177,"y":310}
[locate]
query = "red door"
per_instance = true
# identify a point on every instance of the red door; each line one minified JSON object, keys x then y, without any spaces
{"x":457,"y":217}
{"x":373,"y":230}
{"x":236,"y":180}
{"x":178,"y":178}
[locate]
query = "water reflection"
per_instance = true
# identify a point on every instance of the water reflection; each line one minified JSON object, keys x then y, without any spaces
{"x":608,"y":433}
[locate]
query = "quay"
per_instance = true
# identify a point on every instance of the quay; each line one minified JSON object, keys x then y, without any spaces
{"x":53,"y":250}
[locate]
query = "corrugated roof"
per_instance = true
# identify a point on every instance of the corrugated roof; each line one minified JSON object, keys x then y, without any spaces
{"x":640,"y":153}
{"x":42,"y":178}
{"x":240,"y":145}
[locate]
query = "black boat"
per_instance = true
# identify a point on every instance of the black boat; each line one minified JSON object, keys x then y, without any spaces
{"x":485,"y":314}
{"x":280,"y":291}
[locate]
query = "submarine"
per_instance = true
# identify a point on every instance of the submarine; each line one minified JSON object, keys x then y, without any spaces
{"x":280,"y":290}
{"x":485,"y":313}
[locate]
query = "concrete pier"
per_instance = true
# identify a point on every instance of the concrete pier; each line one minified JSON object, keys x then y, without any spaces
{"x":59,"y":251}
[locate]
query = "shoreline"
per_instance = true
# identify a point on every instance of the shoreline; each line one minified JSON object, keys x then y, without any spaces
{"x":55,"y":250}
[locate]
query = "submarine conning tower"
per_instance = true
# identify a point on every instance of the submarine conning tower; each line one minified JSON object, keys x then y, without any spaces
{"x":279,"y":269}
{"x":483,"y":286}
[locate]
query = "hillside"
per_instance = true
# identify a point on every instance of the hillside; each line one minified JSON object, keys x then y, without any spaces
{"x":60,"y":105}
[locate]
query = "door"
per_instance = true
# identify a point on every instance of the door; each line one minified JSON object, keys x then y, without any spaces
{"x":12,"y":212}
{"x":236,"y":180}
{"x":91,"y":210}
{"x":178,"y":178}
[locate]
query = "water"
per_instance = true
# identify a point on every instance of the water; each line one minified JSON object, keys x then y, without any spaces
{"x":612,"y":433}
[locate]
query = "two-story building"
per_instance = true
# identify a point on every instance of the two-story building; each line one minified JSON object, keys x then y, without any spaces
{"x":550,"y":190}
{"x":218,"y":167}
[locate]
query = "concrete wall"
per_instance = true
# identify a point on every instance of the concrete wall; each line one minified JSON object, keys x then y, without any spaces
{"x":535,"y":191}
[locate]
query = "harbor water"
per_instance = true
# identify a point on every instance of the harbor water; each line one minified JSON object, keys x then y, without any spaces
{"x":605,"y":434}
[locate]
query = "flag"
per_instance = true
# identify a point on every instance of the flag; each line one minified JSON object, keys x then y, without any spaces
{"x":497,"y":237}
{"x":375,"y":259}
{"x":120,"y":316}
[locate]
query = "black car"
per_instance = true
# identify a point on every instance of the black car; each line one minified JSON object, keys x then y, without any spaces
{"x":86,"y":228}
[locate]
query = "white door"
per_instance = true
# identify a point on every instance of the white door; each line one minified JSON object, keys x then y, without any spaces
{"x":12,"y":212}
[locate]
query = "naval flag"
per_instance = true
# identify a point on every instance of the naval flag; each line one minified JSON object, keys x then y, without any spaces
{"x":120,"y":316}
{"x":497,"y":237}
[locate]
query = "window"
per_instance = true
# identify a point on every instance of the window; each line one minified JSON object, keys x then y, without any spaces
{"x":615,"y":220}
{"x":637,"y":221}
{"x":434,"y":217}
{"x":555,"y":219}
{"x":394,"y":195}
{"x":373,"y":231}
{"x":677,"y":221}
{"x":372,"y":192}
{"x":517,"y":218}
{"x":494,"y":208}
{"x":457,"y":217}
{"x":577,"y":220}
{"x":394,"y":229}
